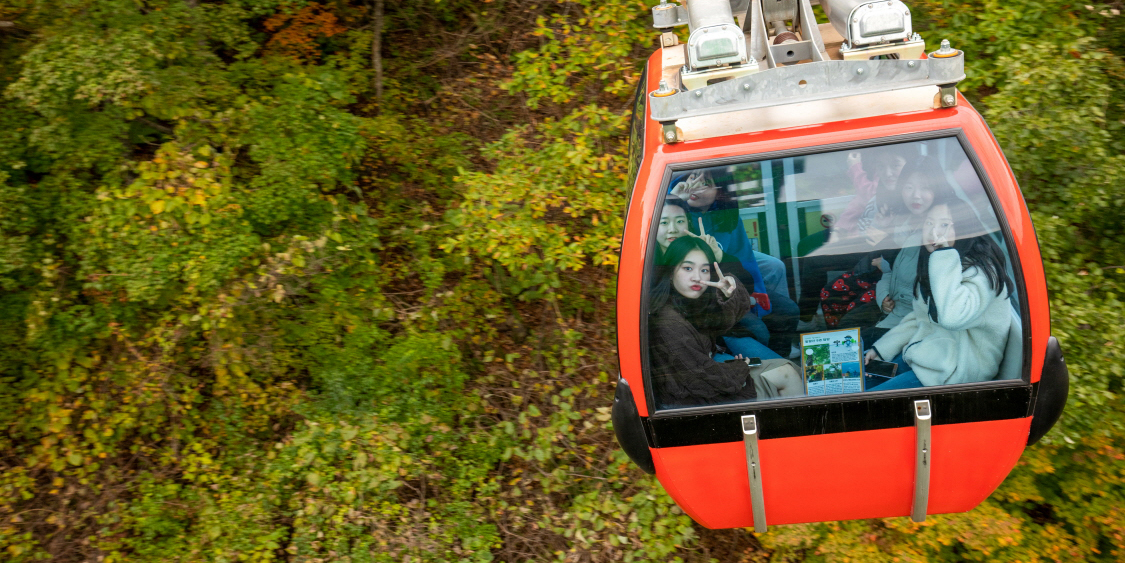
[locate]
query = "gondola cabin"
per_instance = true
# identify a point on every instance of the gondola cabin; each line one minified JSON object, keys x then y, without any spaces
{"x":831,"y":302}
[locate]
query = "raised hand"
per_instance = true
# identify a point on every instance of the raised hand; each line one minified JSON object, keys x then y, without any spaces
{"x":681,"y":190}
{"x":941,"y":240}
{"x":854,"y":158}
{"x":716,"y":248}
{"x":726,"y":284}
{"x":695,"y":181}
{"x":692,"y":184}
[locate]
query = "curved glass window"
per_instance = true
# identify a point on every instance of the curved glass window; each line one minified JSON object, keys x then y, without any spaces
{"x":637,"y":135}
{"x":850,"y":271}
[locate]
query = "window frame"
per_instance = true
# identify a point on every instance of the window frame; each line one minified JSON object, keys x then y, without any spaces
{"x":893,"y":396}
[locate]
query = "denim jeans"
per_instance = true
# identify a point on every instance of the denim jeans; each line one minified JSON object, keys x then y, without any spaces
{"x":778,"y":327}
{"x":773,"y":274}
{"x":748,"y":347}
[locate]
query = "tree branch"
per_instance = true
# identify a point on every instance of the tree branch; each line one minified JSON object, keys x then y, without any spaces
{"x":377,"y":52}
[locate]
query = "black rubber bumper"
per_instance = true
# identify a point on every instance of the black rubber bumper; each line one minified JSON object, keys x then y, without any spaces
{"x":1054,"y":386}
{"x":630,"y":429}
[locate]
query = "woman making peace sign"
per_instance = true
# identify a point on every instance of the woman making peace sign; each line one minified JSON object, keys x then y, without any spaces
{"x":692,"y":304}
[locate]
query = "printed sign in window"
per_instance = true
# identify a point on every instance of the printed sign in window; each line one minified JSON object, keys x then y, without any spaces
{"x":832,"y":362}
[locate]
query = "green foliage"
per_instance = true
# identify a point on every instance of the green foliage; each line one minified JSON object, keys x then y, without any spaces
{"x":250,"y":313}
{"x":988,"y":30}
{"x":590,"y":46}
{"x":554,"y":204}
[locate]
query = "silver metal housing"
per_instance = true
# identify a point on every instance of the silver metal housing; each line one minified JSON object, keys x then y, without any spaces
{"x":723,"y":81}
{"x":869,"y":22}
{"x":665,"y":15}
{"x":716,"y":45}
{"x":808,"y":82}
{"x":715,"y":38}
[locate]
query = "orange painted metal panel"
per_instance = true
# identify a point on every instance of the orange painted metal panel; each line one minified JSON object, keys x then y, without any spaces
{"x":841,"y":476}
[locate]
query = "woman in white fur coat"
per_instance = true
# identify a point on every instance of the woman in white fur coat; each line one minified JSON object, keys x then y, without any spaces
{"x":959,"y":325}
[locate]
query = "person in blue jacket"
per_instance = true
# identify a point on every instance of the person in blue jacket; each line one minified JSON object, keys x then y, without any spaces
{"x":773,"y":321}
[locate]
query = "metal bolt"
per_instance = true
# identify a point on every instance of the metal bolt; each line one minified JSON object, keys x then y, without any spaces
{"x":698,"y":93}
{"x":859,"y":71}
{"x":664,"y":90}
{"x":948,"y":100}
{"x":671,"y":135}
{"x":746,"y":86}
{"x":945,"y":50}
{"x":911,"y":64}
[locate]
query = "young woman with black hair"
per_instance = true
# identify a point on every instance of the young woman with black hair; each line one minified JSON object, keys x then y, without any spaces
{"x":958,"y":327}
{"x":691,"y":305}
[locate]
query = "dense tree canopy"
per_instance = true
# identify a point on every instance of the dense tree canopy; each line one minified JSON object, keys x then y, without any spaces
{"x":252,"y":309}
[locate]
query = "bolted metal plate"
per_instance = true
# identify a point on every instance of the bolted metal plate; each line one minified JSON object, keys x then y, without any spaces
{"x":807,"y":82}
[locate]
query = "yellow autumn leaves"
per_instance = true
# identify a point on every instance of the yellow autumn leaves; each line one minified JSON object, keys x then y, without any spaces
{"x":181,"y":180}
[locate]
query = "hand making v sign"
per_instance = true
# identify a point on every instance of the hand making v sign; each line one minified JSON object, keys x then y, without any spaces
{"x":726,"y":284}
{"x":710,"y":240}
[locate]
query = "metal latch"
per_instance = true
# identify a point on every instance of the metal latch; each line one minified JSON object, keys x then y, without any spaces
{"x":754,"y":471}
{"x":922,"y":458}
{"x":948,"y":95}
{"x":670,"y":133}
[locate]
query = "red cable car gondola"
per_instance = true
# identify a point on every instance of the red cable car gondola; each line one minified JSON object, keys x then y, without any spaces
{"x":877,"y":259}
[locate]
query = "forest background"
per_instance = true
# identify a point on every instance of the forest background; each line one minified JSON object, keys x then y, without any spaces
{"x":268,"y":292}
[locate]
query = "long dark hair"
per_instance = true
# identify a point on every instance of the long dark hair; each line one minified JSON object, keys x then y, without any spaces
{"x":976,"y":248}
{"x":701,"y":312}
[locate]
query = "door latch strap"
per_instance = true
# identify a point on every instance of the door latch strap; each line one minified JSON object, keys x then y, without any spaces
{"x":754,"y":471}
{"x":923,"y":455}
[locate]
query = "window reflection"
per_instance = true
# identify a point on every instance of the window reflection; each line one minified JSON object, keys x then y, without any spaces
{"x":840,"y":272}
